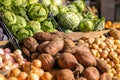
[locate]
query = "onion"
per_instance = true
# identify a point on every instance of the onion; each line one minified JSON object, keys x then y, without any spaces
{"x":22,"y":76}
{"x":15,"y":65}
{"x":1,"y":59}
{"x":6,"y":56}
{"x":37,"y":63}
{"x":1,"y":51}
{"x":7,"y":63}
{"x":1,"y":64}
{"x":2,"y":77}
{"x":33,"y":76}
{"x":12,"y":78}
{"x":5,"y":67}
{"x":7,"y":50}
{"x":17,"y":51}
{"x":14,"y":72}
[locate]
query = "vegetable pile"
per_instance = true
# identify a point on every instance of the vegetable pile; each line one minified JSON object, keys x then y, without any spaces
{"x":26,"y":17}
{"x":60,"y":55}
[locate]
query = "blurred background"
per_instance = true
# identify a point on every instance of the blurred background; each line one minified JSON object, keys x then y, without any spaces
{"x":110,"y":9}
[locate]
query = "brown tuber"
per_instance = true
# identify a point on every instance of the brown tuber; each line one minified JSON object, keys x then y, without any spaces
{"x":26,"y":51}
{"x":31,"y":44}
{"x":91,"y":73}
{"x":102,"y":65}
{"x":105,"y":76}
{"x":65,"y":74}
{"x":54,"y":46}
{"x":41,"y":47}
{"x":69,"y":46}
{"x":42,"y":36}
{"x":84,"y":56}
{"x":67,"y":60}
{"x":47,"y":60}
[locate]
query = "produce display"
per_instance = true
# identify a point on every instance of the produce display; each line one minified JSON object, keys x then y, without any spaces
{"x":25,"y":18}
{"x":59,"y":40}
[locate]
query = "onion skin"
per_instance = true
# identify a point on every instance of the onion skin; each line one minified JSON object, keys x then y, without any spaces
{"x":1,"y":51}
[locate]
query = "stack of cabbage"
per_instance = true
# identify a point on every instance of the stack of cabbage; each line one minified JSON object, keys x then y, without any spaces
{"x":74,"y":16}
{"x":26,"y":17}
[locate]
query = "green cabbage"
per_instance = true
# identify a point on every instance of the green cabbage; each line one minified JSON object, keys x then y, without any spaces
{"x":22,"y":3}
{"x":35,"y":26}
{"x":32,"y":1}
{"x":53,"y":9}
{"x":80,"y":4}
{"x":57,"y":2}
{"x":46,"y":2}
{"x":63,"y":9}
{"x":86,"y":25}
{"x":48,"y":25}
{"x":9,"y":18}
{"x":21,"y":11}
{"x":72,"y":8}
{"x":37,"y":12}
{"x":21,"y":21}
{"x":69,"y":20}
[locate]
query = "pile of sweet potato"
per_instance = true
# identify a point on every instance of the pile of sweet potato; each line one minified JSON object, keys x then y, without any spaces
{"x":64,"y":58}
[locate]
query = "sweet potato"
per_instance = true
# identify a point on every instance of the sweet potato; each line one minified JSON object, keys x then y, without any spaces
{"x":54,"y":46}
{"x":59,"y":34}
{"x":29,"y":42}
{"x":26,"y":51}
{"x":47,"y":60}
{"x":65,"y":74}
{"x":42,"y":36}
{"x":41,"y":47}
{"x":84,"y":56}
{"x":82,"y":78}
{"x":67,"y":60}
{"x":91,"y":73}
{"x":115,"y":33}
{"x":102,"y":65}
{"x":68,"y":46}
{"x":105,"y":76}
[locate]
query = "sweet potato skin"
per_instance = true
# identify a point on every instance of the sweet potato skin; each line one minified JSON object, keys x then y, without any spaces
{"x":67,"y":60}
{"x":84,"y":56}
{"x":54,"y":46}
{"x":91,"y":73}
{"x":41,"y":47}
{"x":102,"y":65}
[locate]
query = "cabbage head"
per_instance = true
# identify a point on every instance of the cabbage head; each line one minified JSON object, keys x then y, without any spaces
{"x":21,"y":21}
{"x":9,"y":18}
{"x":63,"y":9}
{"x":57,"y":2}
{"x":80,"y":4}
{"x":32,"y":1}
{"x":5,"y":2}
{"x":35,"y":26}
{"x":69,"y":20}
{"x":37,"y":12}
{"x":72,"y":8}
{"x":46,"y":2}
{"x":48,"y":25}
{"x":23,"y":33}
{"x":86,"y":25}
{"x":21,"y":3}
{"x":53,"y":9}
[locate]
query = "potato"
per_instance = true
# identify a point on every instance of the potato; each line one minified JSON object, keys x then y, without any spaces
{"x":42,"y":36}
{"x":65,"y":74}
{"x":47,"y":60}
{"x":67,"y":60}
{"x":105,"y":76}
{"x":102,"y":65}
{"x":91,"y":73}
{"x":82,"y":78}
{"x":54,"y":46}
{"x":59,"y":34}
{"x":68,"y":46}
{"x":84,"y":56}
{"x":41,"y":47}
{"x":26,"y":51}
{"x":34,"y":55}
{"x":29,"y":42}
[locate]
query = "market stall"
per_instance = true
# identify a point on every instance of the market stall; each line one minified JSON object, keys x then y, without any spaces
{"x":57,"y":40}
